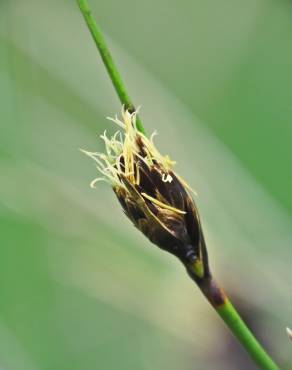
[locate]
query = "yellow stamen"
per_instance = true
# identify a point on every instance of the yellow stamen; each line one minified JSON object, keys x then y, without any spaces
{"x":162,"y":205}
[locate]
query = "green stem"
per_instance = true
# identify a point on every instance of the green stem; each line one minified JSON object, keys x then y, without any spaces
{"x":230,"y":316}
{"x":232,"y":319}
{"x":108,"y":60}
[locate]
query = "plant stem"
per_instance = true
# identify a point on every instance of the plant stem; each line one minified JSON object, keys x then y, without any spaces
{"x":108,"y":60}
{"x":230,"y":316}
{"x":232,"y":319}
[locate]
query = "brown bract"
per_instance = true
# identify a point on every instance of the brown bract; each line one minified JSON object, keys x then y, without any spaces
{"x":162,"y":210}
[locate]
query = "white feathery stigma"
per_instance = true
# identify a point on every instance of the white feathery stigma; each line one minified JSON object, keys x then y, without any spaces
{"x":123,"y":144}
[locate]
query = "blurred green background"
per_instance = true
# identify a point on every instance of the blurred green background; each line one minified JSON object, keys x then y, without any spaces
{"x":80,"y":287}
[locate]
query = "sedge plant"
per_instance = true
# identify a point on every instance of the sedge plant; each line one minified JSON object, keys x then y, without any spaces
{"x":159,"y":202}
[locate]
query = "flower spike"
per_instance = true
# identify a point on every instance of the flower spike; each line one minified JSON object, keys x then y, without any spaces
{"x":155,"y":199}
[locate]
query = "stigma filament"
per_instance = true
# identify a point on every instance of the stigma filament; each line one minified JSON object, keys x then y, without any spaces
{"x":123,"y":154}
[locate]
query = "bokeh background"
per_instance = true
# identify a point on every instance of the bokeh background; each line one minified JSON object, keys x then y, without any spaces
{"x":80,"y":287}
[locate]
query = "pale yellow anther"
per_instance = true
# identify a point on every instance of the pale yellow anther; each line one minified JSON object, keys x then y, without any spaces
{"x":161,"y":204}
